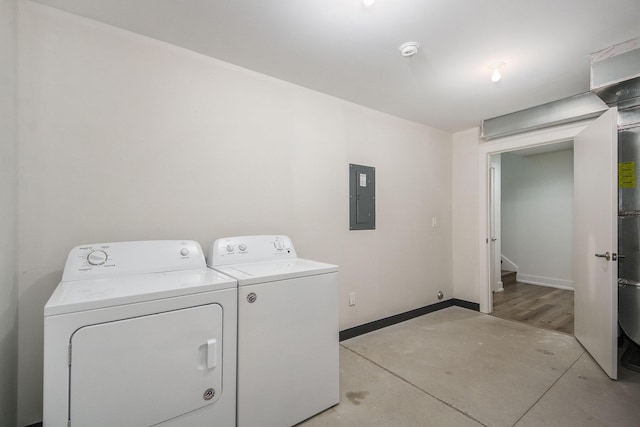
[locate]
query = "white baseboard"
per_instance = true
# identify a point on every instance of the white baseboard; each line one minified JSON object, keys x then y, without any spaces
{"x":499,"y":287}
{"x":546,"y":281}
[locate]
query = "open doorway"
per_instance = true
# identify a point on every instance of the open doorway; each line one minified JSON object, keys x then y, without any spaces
{"x":535,"y":140}
{"x":595,"y":239}
{"x":531,"y":221}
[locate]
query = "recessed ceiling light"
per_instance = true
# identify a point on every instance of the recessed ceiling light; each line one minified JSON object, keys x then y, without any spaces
{"x":409,"y":49}
{"x":496,"y":75}
{"x":368,"y":2}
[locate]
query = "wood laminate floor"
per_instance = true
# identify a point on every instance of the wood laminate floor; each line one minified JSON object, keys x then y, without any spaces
{"x":539,"y":306}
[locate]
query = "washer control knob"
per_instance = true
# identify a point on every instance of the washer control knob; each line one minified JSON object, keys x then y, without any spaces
{"x":97,"y":257}
{"x":278,"y":245}
{"x":242,"y":247}
{"x":184,"y":251}
{"x":229,"y":247}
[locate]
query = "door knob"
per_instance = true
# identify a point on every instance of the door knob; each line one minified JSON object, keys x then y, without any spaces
{"x":604,"y":255}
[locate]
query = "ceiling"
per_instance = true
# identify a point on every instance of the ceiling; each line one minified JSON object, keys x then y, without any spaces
{"x":345,"y":49}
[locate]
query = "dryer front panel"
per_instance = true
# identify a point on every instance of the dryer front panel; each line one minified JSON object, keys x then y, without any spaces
{"x":146,"y":370}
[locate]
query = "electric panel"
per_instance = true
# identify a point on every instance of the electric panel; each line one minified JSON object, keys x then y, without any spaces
{"x":362,"y":197}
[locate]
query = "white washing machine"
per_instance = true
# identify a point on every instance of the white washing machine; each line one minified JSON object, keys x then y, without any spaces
{"x":140,"y":334}
{"x":288,"y":365}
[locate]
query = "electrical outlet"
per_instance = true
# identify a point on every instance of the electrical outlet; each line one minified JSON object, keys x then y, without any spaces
{"x":352,"y":299}
{"x":434,"y":221}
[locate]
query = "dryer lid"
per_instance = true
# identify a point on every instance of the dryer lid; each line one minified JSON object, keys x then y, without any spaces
{"x":82,"y":295}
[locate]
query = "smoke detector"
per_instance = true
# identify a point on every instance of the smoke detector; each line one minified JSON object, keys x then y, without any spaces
{"x":409,"y":49}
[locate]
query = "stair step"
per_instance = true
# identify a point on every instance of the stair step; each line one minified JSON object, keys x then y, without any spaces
{"x":508,"y":277}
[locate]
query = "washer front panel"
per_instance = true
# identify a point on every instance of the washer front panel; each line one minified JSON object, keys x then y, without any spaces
{"x":287,"y":350}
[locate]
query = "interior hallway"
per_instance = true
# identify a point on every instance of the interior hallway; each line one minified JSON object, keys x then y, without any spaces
{"x":540,"y":306}
{"x":458,"y":367}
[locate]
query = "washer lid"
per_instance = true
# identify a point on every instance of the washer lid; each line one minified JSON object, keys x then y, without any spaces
{"x":270,"y":271}
{"x":82,"y":295}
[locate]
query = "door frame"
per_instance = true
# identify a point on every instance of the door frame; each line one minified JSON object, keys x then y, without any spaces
{"x":553,"y":135}
{"x":495,"y":227}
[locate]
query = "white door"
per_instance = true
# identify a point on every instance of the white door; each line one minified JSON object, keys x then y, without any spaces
{"x":596,"y":240}
{"x":146,"y":370}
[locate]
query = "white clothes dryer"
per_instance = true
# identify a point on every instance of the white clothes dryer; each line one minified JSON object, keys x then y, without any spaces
{"x":140,"y":334}
{"x":288,"y":337}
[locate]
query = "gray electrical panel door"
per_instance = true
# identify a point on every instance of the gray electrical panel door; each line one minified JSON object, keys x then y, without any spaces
{"x":362,"y":197}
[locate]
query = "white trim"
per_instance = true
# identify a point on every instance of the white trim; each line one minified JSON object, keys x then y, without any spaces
{"x":530,"y":139}
{"x":508,"y":263}
{"x":549,"y":282}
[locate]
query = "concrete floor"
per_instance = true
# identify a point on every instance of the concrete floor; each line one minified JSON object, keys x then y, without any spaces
{"x":457,"y":367}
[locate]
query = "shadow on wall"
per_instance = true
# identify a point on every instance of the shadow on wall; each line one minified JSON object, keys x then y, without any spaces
{"x":31,"y":343}
{"x":9,"y":358}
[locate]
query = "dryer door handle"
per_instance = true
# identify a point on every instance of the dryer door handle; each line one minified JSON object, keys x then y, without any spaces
{"x":212,"y":353}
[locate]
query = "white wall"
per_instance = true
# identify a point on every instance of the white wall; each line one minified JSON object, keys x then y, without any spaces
{"x":465,"y":215}
{"x":537,"y":216}
{"x":128,"y":138}
{"x":8,"y":213}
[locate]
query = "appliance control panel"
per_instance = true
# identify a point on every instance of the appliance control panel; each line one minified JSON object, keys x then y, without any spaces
{"x":100,"y":260}
{"x":245,"y":249}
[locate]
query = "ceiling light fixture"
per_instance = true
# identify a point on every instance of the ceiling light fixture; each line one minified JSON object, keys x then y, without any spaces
{"x":409,"y":49}
{"x":496,"y":75}
{"x":368,"y":3}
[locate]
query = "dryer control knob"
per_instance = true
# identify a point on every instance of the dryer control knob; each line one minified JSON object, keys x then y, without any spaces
{"x":97,"y":257}
{"x":184,"y":251}
{"x":229,"y":248}
{"x":278,"y":245}
{"x":242,"y":247}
